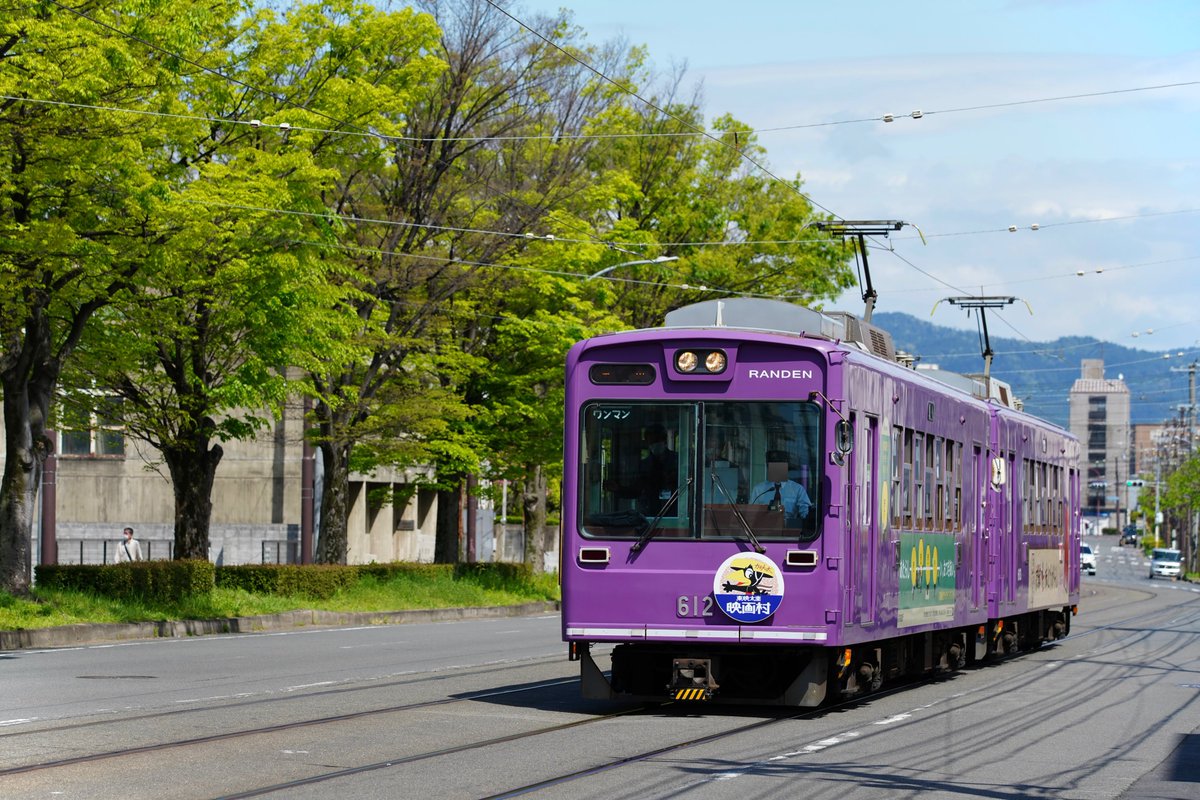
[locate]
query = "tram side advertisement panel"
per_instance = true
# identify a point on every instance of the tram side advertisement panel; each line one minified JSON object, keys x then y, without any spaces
{"x":927,"y":579}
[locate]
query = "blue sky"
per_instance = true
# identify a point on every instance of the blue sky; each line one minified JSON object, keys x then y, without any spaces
{"x":1112,"y":179}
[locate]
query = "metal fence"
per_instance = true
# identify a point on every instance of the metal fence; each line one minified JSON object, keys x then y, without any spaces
{"x":104,"y":551}
{"x":280,"y":551}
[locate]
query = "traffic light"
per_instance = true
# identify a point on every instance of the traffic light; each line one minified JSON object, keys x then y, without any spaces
{"x":1136,"y":482}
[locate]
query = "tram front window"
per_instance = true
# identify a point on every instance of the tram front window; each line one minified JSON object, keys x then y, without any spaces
{"x":705,"y":470}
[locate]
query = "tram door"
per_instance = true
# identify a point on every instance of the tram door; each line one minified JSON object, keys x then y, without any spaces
{"x":975,"y":533}
{"x":1012,"y":528}
{"x":1006,"y":521}
{"x":988,"y":533}
{"x":864,"y":518}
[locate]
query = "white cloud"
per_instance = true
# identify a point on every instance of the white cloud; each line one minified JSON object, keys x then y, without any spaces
{"x":993,"y":149}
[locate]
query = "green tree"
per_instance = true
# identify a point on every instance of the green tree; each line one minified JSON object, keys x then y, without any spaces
{"x":237,"y":295}
{"x":77,"y":189}
{"x":456,"y":194}
{"x":755,"y":229}
{"x":520,"y":392}
{"x":1183,"y":486}
{"x":1182,"y":498}
{"x":199,"y":350}
{"x":648,"y":193}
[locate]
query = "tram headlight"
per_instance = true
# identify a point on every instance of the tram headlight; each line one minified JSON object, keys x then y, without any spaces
{"x":686,"y":361}
{"x":714,"y":362}
{"x":701,"y":362}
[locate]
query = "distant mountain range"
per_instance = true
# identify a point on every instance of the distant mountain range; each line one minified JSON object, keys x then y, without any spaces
{"x":1041,"y":373}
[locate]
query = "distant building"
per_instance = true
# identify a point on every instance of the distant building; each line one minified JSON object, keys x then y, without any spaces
{"x":1099,"y":416}
{"x":1147,"y":439}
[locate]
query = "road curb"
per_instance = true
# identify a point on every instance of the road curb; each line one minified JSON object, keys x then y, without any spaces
{"x":99,"y":633}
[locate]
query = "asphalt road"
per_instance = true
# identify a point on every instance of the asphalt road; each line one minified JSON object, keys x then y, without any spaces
{"x":491,"y":708}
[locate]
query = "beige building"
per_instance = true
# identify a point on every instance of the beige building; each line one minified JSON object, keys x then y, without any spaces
{"x":1099,"y":414}
{"x":103,"y":481}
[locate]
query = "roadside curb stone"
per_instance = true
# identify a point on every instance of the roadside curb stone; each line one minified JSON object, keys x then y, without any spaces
{"x":97,"y":633}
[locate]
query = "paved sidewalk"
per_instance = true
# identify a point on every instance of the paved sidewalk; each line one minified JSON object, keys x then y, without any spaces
{"x":83,"y":634}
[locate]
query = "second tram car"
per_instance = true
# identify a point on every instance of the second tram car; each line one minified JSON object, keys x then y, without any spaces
{"x":761,"y":504}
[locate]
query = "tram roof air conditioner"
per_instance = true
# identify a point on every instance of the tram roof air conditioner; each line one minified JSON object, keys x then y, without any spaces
{"x":758,"y":314}
{"x":869,"y":337}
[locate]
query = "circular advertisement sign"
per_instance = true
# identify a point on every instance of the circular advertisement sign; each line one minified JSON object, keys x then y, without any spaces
{"x":748,"y":587}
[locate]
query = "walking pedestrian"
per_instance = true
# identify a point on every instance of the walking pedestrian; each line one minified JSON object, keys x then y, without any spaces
{"x":130,"y":549}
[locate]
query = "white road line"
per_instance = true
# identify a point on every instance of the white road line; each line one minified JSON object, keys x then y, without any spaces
{"x":896,"y":718}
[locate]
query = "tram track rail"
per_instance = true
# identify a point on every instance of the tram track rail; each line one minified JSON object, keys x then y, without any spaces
{"x":274,"y":697}
{"x":271,"y":729}
{"x":1175,"y":613}
{"x":981,"y":694}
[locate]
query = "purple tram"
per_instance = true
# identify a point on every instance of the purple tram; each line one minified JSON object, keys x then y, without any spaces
{"x":762,"y":504}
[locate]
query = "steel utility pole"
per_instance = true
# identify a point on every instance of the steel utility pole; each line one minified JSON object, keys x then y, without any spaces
{"x":1187,"y":416}
{"x":1189,"y":411}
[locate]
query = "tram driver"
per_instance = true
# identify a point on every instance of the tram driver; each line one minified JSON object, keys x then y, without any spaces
{"x":779,"y":492}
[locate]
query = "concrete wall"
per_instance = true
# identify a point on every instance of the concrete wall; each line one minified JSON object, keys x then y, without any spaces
{"x":392,"y":517}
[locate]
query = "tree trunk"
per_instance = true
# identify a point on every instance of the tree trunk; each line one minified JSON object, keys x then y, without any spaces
{"x":24,"y":457}
{"x":335,"y":504}
{"x":192,"y":471}
{"x":449,"y":526}
{"x":28,"y":377}
{"x":533,"y":503}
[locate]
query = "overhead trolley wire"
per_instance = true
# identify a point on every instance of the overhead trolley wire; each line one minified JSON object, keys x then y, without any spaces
{"x":278,"y":98}
{"x":664,"y":112}
{"x":347,"y":128}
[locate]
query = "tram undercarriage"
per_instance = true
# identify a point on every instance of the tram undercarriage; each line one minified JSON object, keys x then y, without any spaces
{"x":806,"y":676}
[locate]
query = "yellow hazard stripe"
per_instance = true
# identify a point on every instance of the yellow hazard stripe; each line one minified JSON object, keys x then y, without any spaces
{"x":689,"y":694}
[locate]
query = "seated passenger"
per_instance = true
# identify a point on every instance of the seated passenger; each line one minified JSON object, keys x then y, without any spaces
{"x":657,"y":476}
{"x":779,"y":492}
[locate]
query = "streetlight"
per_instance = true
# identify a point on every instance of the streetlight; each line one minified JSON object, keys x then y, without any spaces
{"x":656,"y":260}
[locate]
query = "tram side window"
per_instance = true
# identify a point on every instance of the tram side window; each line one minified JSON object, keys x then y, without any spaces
{"x":947,"y":447}
{"x":1056,"y":504}
{"x":897,"y":475}
{"x":1038,"y":481}
{"x":918,"y":473}
{"x":1039,"y":488}
{"x":1027,"y":495}
{"x":956,"y":511}
{"x":930,"y":484}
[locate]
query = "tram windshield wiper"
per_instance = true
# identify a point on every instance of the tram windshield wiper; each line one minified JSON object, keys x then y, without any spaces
{"x":649,"y":532}
{"x":736,"y":512}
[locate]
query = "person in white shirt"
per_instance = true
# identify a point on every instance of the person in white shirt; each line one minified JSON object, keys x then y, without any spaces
{"x":130,"y":549}
{"x":779,"y":491}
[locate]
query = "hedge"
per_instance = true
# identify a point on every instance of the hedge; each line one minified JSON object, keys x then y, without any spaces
{"x":152,"y":581}
{"x":319,"y":581}
{"x":173,"y":580}
{"x":322,"y":581}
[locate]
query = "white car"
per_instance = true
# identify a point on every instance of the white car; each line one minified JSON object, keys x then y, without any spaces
{"x":1087,"y":559}
{"x":1164,"y":561}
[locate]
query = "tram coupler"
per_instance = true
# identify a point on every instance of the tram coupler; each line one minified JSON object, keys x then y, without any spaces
{"x":692,"y":679}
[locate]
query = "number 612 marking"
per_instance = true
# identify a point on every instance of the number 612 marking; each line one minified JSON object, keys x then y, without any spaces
{"x":694,"y":606}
